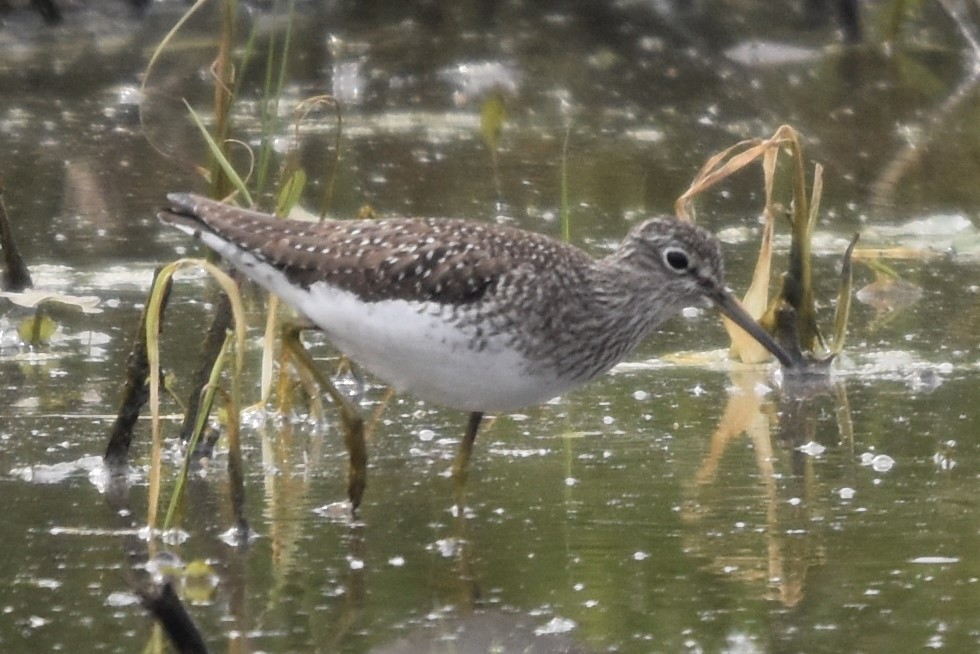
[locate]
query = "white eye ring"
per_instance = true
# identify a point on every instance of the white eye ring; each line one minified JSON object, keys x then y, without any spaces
{"x":676,"y":260}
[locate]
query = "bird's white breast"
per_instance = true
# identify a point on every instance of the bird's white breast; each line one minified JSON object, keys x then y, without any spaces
{"x":416,"y":347}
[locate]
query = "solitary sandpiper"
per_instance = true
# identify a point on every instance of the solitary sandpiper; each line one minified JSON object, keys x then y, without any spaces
{"x":473,"y":316}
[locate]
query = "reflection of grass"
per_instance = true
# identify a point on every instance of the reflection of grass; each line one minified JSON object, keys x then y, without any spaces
{"x":780,"y":565}
{"x":796,"y":290}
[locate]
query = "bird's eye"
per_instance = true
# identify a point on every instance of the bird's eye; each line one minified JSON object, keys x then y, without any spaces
{"x":676,"y":259}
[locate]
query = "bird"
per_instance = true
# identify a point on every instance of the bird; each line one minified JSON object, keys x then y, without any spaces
{"x":475,"y":316}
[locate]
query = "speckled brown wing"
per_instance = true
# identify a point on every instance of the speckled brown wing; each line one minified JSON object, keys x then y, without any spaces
{"x":444,"y":260}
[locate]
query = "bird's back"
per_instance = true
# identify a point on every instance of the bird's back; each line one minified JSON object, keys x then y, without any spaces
{"x":447,"y":260}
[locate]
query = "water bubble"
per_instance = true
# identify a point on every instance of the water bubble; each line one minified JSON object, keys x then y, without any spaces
{"x":555,"y":626}
{"x":163,"y":565}
{"x":174,"y":536}
{"x":253,"y":417}
{"x":882,"y":463}
{"x":446,"y":547}
{"x":50,"y":584}
{"x":943,"y":461}
{"x":475,"y":78}
{"x":467,"y":511}
{"x":349,"y":81}
{"x":935,"y":560}
{"x":233,"y":537}
{"x":57,"y":472}
{"x":120,"y":599}
{"x":336,"y":511}
{"x":812,"y":448}
{"x":924,"y":381}
{"x":846,"y":493}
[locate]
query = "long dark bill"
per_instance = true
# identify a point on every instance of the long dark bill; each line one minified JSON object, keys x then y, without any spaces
{"x":729,"y":306}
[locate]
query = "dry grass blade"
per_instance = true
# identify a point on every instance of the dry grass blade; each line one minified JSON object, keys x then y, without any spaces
{"x":718,"y":168}
{"x":268,"y":349}
{"x":815,"y":194}
{"x":755,"y":301}
{"x":797,"y":287}
{"x":898,"y":252}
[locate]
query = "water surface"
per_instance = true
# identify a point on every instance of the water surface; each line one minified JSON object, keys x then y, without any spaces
{"x":682,"y":503}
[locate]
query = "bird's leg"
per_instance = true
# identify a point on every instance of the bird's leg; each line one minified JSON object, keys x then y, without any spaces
{"x":462,"y":461}
{"x":350,"y":417}
{"x":376,"y":416}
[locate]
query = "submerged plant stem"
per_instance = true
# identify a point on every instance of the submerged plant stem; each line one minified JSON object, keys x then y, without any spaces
{"x":14,"y":275}
{"x":136,"y":392}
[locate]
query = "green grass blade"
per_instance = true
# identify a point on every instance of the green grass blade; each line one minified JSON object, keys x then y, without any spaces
{"x":566,"y":224}
{"x":220,"y":158}
{"x":843,"y":311}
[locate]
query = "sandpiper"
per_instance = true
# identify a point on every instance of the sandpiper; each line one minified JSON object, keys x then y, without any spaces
{"x":473,"y":316}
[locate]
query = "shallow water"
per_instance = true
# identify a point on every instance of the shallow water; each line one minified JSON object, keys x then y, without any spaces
{"x":682,"y":503}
